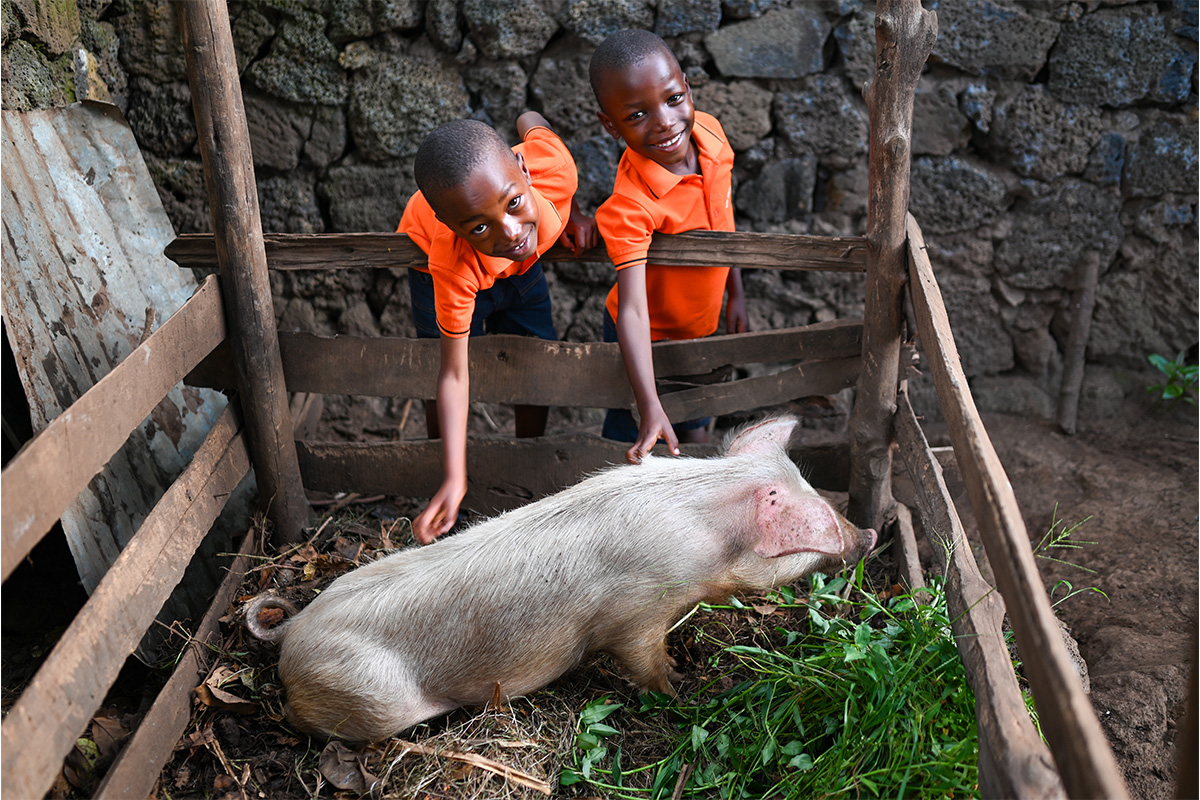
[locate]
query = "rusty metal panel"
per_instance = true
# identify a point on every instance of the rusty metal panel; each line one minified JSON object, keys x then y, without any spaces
{"x":84,"y":281}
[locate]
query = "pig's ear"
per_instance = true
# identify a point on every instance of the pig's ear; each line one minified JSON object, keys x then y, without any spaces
{"x":788,"y":524}
{"x":761,"y":436}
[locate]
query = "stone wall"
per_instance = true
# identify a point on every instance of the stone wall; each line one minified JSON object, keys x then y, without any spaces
{"x":1043,"y":131}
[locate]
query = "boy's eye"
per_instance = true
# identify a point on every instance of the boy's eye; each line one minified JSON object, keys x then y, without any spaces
{"x":635,"y":116}
{"x":478,"y":229}
{"x":675,"y":98}
{"x":515,"y":203}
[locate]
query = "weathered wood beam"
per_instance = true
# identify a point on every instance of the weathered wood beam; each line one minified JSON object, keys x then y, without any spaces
{"x":520,"y":369}
{"x":1081,"y":751}
{"x":1082,"y":305}
{"x":56,"y":706}
{"x":504,"y":473}
{"x":904,"y":37}
{"x":49,"y":472}
{"x":136,"y":770}
{"x":394,"y":250}
{"x":1013,"y":759}
{"x":224,"y":142}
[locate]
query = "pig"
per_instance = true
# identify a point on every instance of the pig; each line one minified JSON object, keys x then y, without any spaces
{"x":510,"y":604}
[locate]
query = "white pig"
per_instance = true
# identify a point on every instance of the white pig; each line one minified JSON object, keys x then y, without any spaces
{"x":513,"y":602}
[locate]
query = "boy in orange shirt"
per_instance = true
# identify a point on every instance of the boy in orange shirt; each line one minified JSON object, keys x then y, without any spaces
{"x":484,"y":214}
{"x":675,"y":176}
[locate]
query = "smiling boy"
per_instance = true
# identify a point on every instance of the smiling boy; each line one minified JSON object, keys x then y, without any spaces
{"x":483,"y":215}
{"x":675,"y":176}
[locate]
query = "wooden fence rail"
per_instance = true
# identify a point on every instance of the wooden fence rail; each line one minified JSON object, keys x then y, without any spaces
{"x":520,"y":369}
{"x":1013,"y":759}
{"x":54,"y":709}
{"x":321,"y":251}
{"x":1081,"y":751}
{"x":56,"y":466}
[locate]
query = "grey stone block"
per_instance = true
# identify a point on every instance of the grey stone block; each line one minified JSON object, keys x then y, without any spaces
{"x":784,"y":43}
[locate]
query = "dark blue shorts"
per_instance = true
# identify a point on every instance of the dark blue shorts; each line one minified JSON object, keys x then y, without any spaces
{"x":519,"y":305}
{"x":619,"y":423}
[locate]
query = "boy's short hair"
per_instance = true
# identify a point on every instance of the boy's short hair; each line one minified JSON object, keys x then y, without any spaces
{"x":622,"y":50}
{"x":452,"y":152}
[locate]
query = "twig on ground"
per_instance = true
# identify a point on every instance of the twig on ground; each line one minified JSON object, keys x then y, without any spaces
{"x":474,"y":759}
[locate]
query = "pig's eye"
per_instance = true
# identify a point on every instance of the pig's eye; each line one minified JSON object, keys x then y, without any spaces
{"x":772,"y":491}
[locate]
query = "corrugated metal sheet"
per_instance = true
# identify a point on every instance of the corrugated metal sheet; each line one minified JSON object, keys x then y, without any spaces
{"x":84,"y":281}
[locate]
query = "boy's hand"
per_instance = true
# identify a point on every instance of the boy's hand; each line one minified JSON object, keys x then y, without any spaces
{"x":441,"y":514}
{"x":736,"y":318}
{"x":581,"y":233}
{"x":654,"y":426}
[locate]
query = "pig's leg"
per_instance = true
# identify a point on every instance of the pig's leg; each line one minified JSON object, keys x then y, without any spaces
{"x":644,"y":657}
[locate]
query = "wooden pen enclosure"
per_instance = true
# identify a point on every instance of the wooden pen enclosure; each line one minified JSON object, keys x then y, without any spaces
{"x":819,"y":359}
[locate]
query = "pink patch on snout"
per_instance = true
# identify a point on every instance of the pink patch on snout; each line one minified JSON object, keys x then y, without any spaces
{"x":789,"y":524}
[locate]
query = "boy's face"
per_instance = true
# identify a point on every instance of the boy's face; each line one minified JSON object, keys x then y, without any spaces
{"x":494,"y":210}
{"x":650,"y":107}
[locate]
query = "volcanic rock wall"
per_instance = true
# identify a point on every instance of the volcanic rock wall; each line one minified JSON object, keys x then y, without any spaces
{"x":1043,"y":132}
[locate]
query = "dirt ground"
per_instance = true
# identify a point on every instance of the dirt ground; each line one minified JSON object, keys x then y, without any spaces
{"x":1134,"y":480}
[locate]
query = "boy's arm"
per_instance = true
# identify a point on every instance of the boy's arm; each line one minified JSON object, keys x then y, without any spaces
{"x":530,"y":120}
{"x":736,"y":319}
{"x":633,"y":333}
{"x":453,"y":396}
{"x":581,"y":233}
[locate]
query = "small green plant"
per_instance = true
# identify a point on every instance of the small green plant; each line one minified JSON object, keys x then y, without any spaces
{"x":1181,"y":378}
{"x":870,"y":701}
{"x":1060,"y":537}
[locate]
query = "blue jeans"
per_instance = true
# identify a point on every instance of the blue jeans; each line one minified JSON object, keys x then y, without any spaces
{"x":619,"y":424}
{"x":519,"y":304}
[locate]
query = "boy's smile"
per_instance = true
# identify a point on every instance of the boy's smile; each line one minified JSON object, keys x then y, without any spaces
{"x":650,"y":107}
{"x":494,"y":210}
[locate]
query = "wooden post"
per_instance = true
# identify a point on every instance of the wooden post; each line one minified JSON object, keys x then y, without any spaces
{"x":904,"y":37}
{"x":1082,"y":306}
{"x":242,"y":261}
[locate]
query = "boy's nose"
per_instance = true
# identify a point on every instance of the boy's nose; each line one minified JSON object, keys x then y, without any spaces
{"x":512,"y":228}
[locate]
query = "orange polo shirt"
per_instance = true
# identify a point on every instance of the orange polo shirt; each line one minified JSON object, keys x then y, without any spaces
{"x":683,"y":302}
{"x":460,"y":271}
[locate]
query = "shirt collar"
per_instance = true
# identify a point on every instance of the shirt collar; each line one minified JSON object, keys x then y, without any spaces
{"x":661,"y":180}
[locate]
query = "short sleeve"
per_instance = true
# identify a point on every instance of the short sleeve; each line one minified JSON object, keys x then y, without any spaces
{"x":627,"y":228}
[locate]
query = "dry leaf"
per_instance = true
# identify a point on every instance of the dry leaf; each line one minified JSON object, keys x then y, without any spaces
{"x":343,"y":767}
{"x":108,"y":733}
{"x":211,"y":694}
{"x":766,"y":609}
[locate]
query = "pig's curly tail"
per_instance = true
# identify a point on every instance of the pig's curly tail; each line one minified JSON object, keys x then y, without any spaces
{"x":254,"y":622}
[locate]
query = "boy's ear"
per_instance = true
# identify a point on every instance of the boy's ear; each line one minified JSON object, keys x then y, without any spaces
{"x":608,"y":125}
{"x":524,"y":168}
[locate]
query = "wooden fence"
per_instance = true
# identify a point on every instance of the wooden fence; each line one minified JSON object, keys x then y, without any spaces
{"x":56,"y":706}
{"x":816,"y":359}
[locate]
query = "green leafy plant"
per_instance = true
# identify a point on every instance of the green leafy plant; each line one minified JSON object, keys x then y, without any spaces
{"x":1181,"y":378}
{"x":1061,"y":537}
{"x":871,"y":700}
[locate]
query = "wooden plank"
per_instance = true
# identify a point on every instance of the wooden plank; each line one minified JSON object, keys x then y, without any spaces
{"x":1013,"y":759}
{"x":506,"y":473}
{"x":803,"y":380}
{"x":64,"y":694}
{"x":46,"y":476}
{"x":1083,"y":304}
{"x":224,"y":142}
{"x":518,"y":369}
{"x":395,"y":251}
{"x":904,"y":550}
{"x":1081,"y":751}
{"x":140,"y":762}
{"x":904,"y":37}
